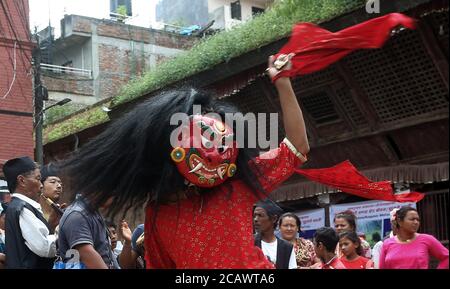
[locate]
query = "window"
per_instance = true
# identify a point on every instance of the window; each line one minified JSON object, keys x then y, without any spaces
{"x":115,"y":4}
{"x":320,"y":107}
{"x":256,"y":11}
{"x":236,"y":10}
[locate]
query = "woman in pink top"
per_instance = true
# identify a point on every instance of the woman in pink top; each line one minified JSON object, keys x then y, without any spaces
{"x":409,"y":249}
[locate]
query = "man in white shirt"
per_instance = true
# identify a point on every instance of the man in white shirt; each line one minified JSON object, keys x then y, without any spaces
{"x":30,"y":243}
{"x":278,"y":251}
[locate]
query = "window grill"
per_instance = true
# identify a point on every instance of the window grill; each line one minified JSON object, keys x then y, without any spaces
{"x":315,"y":79}
{"x":350,"y":107}
{"x":400,"y":79}
{"x":253,"y":99}
{"x":320,"y":107}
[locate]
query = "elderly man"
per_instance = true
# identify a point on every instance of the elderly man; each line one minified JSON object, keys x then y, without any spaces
{"x":278,"y":251}
{"x":30,"y":243}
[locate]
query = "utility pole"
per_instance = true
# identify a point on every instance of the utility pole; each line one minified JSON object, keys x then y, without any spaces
{"x":38,"y":103}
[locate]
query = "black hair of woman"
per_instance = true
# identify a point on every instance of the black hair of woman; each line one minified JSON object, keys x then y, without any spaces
{"x":293,"y":216}
{"x":401,"y":214}
{"x":349,"y":217}
{"x":353,"y":237}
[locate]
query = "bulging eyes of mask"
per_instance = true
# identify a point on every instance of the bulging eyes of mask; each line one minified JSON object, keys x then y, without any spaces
{"x":205,"y":152}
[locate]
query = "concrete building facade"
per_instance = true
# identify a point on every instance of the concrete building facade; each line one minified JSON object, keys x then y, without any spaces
{"x":94,"y":58}
{"x":225,"y":13}
{"x":228,"y":13}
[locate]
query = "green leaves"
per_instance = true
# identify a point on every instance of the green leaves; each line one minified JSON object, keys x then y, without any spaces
{"x":56,"y":113}
{"x":274,"y":24}
{"x":270,"y":26}
{"x":88,"y":118}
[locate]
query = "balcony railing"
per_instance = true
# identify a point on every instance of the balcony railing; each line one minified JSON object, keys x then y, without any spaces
{"x":66,"y":70}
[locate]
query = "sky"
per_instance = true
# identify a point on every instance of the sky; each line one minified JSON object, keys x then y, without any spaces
{"x":43,"y":11}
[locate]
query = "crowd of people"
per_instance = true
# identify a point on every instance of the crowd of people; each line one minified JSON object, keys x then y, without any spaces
{"x":36,"y":231}
{"x":34,"y":234}
{"x":207,"y":206}
{"x":341,"y":247}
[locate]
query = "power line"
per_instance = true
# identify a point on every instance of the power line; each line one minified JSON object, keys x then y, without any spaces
{"x":24,"y":62}
{"x":15,"y":72}
{"x":15,"y":34}
{"x":14,"y":62}
{"x":23,"y":18}
{"x":9,"y":54}
{"x":10,"y":22}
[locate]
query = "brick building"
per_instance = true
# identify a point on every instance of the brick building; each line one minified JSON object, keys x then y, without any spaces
{"x":16,"y":92}
{"x":93,"y":58}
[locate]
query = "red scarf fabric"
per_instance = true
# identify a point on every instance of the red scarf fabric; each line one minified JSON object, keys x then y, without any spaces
{"x":315,"y":48}
{"x":348,"y":179}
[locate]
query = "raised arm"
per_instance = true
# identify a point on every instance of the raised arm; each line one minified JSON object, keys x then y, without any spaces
{"x":277,"y":165}
{"x":293,"y":121}
{"x":127,"y":258}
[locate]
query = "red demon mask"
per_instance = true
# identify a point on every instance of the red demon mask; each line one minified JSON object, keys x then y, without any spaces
{"x":205,"y":151}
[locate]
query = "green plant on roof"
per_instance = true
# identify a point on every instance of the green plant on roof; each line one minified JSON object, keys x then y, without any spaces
{"x":276,"y":23}
{"x":86,"y":119}
{"x":56,"y":113}
{"x":263,"y":29}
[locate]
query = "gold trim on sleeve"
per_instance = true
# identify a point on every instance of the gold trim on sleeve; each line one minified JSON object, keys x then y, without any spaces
{"x":302,"y":157}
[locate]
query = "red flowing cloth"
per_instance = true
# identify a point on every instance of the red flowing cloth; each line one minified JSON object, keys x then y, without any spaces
{"x":315,"y":48}
{"x":348,"y":179}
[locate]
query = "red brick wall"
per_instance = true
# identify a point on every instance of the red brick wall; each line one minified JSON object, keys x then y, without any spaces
{"x":114,"y":29}
{"x":68,"y":84}
{"x":16,"y":131}
{"x":139,"y":34}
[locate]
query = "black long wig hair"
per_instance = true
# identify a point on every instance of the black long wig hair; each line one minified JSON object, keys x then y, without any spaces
{"x":130,"y":160}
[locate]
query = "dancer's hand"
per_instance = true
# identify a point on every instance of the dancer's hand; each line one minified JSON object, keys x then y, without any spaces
{"x":275,"y":66}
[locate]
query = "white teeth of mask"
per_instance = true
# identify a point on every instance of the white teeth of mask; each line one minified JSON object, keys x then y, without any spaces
{"x":221,"y":172}
{"x":199,"y":166}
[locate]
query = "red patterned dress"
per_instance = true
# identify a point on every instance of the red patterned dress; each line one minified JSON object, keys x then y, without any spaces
{"x":214,"y":230}
{"x":304,"y":252}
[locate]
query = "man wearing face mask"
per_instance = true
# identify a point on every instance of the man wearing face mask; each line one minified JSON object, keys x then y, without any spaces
{"x":30,"y":242}
{"x":201,"y":187}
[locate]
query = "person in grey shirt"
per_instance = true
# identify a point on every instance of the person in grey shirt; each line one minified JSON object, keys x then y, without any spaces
{"x":83,"y":229}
